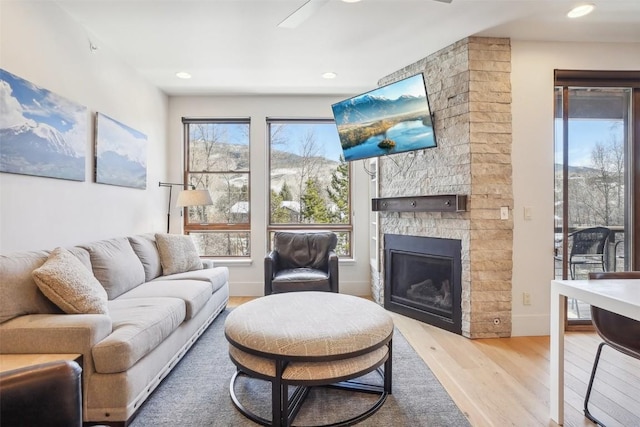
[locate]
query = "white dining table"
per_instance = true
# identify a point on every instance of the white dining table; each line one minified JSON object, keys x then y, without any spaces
{"x":620,"y":296}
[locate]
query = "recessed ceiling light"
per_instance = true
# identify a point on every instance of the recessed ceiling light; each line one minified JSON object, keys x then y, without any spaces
{"x":183,"y":75}
{"x":351,"y":1}
{"x":582,"y":10}
{"x":329,"y":75}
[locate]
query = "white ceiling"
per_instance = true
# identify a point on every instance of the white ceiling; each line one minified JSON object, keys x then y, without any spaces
{"x":235,"y":46}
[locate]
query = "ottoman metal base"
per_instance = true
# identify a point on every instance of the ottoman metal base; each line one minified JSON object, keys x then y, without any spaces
{"x":297,"y":399}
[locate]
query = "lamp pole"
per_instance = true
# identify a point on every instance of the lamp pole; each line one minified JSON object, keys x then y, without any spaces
{"x":170,"y":185}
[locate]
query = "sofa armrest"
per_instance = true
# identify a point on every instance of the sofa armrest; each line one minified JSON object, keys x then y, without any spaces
{"x":54,"y":333}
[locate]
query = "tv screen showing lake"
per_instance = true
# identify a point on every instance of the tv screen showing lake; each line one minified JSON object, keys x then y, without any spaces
{"x":407,"y":136}
{"x":391,"y":119}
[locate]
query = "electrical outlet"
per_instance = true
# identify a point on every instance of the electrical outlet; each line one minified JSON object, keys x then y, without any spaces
{"x":504,"y":212}
{"x":526,"y":298}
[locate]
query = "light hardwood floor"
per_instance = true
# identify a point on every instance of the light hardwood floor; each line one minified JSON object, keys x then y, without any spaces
{"x":505,"y":381}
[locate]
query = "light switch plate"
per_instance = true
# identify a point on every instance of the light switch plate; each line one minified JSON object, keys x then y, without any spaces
{"x":504,"y":212}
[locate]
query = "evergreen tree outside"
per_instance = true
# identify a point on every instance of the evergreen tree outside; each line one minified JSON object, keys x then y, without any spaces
{"x":279,"y":214}
{"x":285,"y":192}
{"x":314,"y":207}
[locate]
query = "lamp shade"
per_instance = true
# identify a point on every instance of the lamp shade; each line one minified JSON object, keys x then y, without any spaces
{"x":194,"y":198}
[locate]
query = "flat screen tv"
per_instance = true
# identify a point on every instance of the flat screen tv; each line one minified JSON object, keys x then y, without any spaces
{"x":391,"y":119}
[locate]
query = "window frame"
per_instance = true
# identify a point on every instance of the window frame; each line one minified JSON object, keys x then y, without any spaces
{"x":273,"y":227}
{"x":217,"y":228}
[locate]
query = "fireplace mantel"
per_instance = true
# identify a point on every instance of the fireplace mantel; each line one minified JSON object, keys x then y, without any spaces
{"x":436,"y":203}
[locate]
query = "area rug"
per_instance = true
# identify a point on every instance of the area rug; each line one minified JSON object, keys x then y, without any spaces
{"x":196,"y":393}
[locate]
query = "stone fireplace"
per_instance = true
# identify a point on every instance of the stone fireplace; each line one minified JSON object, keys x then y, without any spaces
{"x":470,"y":96}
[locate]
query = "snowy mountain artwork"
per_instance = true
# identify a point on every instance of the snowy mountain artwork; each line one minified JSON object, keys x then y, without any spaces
{"x":121,"y":154}
{"x":41,"y":133}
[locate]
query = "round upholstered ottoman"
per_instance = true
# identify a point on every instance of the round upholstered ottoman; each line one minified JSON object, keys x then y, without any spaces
{"x":307,"y":339}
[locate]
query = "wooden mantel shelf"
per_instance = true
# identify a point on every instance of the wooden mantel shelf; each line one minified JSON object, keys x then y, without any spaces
{"x":437,"y":203}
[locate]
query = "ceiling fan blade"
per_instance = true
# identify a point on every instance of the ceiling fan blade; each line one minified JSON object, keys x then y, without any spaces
{"x":302,"y":13}
{"x":444,"y":1}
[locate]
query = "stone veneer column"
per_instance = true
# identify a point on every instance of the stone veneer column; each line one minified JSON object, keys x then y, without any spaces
{"x":470,"y":95}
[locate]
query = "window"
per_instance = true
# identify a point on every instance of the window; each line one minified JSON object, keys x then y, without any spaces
{"x":596,"y":136}
{"x":217,"y":159}
{"x":309,"y":180}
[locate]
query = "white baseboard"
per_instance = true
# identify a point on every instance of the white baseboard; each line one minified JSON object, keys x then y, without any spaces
{"x":530,"y":325}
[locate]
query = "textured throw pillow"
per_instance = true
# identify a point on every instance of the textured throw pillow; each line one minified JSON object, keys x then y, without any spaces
{"x":177,"y":253}
{"x":70,"y":285}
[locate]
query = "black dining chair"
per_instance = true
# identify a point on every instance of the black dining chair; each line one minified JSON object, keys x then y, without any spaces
{"x":588,"y":248}
{"x":619,"y":332}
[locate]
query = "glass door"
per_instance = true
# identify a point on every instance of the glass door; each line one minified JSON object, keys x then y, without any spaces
{"x":592,"y":184}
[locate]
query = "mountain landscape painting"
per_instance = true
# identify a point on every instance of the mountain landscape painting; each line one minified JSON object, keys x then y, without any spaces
{"x":41,"y":133}
{"x":388,"y":120}
{"x":121,"y":154}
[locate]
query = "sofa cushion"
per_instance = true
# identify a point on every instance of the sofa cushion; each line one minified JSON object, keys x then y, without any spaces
{"x":178,"y":253}
{"x":82,"y":254}
{"x":19,"y":294}
{"x":139,"y":326}
{"x":144,"y":245}
{"x":195,"y":293}
{"x":216,"y":276}
{"x":70,"y":285}
{"x":115,"y":265}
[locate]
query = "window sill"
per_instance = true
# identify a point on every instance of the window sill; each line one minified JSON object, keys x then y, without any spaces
{"x":230,"y":261}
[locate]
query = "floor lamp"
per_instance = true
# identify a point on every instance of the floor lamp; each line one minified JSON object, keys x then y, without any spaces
{"x":186,"y":198}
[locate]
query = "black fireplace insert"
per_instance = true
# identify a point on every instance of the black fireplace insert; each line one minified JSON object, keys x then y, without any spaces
{"x":422,"y":279}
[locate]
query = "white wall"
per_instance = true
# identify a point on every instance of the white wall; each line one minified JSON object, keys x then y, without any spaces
{"x":42,"y":44}
{"x":533,"y":158}
{"x":247,"y":278}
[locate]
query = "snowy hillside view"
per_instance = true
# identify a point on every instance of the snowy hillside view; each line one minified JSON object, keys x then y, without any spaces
{"x":41,"y":133}
{"x":289,"y":171}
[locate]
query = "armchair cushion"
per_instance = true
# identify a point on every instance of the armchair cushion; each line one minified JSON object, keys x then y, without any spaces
{"x":296,"y":250}
{"x":300,"y":279}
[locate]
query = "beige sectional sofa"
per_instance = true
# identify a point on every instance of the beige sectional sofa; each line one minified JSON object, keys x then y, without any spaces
{"x":132,"y":306}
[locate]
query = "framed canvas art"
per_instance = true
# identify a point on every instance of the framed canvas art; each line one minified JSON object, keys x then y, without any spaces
{"x":41,"y":133}
{"x":121,"y":154}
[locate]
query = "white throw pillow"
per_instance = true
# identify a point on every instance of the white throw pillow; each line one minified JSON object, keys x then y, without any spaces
{"x":178,"y":253}
{"x":70,"y":285}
